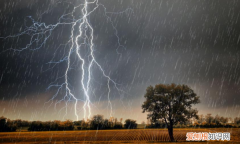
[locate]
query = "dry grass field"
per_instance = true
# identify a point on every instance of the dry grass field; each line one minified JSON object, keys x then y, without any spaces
{"x":109,"y":136}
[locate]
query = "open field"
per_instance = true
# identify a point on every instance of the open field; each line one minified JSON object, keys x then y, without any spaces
{"x":109,"y":136}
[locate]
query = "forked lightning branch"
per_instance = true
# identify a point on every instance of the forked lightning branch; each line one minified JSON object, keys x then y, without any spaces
{"x":82,"y":35}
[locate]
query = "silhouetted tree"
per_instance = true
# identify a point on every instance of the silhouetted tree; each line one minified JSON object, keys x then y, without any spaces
{"x":84,"y":125}
{"x":6,"y":125}
{"x":106,"y":124}
{"x":97,"y":122}
{"x":170,"y":103}
{"x":224,"y":120}
{"x":68,"y":125}
{"x":130,"y":124}
{"x":237,"y":120}
{"x":209,"y":118}
{"x":77,"y":123}
{"x":201,"y":119}
{"x":118,"y":125}
{"x":217,"y":120}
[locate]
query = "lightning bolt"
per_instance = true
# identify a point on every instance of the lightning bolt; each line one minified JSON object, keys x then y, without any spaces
{"x":39,"y":34}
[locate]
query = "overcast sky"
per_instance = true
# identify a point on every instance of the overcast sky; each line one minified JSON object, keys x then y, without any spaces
{"x":175,"y":41}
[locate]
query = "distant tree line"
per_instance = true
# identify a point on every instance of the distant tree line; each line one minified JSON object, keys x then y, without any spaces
{"x":96,"y":123}
{"x":99,"y":123}
{"x":207,"y":121}
{"x":51,"y":125}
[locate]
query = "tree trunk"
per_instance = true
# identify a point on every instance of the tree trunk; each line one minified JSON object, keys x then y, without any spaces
{"x":170,"y":132}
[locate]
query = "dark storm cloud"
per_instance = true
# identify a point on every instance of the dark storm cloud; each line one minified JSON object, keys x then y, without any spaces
{"x":189,"y":42}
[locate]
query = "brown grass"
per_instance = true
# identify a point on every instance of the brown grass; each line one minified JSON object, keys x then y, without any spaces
{"x":110,"y":136}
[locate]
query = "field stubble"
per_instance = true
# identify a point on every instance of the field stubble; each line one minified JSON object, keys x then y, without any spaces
{"x":109,"y":136}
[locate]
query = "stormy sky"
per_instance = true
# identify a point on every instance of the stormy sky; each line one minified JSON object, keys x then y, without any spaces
{"x":175,"y":41}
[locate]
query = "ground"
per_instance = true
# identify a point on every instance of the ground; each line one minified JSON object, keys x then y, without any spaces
{"x":110,"y":136}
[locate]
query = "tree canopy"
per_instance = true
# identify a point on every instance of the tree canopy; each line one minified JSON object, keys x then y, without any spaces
{"x":170,"y":103}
